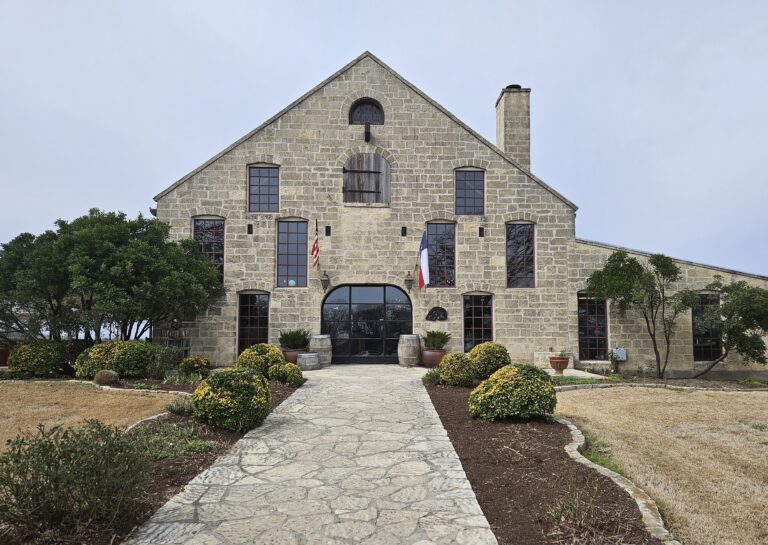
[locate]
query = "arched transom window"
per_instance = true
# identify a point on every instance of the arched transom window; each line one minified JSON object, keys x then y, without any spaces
{"x":364,"y":111}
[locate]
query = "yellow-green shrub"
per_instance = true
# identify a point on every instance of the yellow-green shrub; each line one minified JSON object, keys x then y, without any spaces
{"x":487,"y":358}
{"x":128,"y":358}
{"x":233,"y":399}
{"x":260,"y":357}
{"x":38,"y":359}
{"x":514,"y":391}
{"x":455,"y":370}
{"x":195,"y":365}
{"x":287,"y":373}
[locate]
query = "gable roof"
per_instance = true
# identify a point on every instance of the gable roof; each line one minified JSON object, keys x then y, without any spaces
{"x":302,"y":98}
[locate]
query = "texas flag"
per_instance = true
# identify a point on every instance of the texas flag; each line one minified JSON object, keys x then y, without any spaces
{"x":423,"y":262}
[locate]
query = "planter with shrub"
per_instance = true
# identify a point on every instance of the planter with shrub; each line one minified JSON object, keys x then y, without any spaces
{"x":293,"y":343}
{"x":287,"y":373}
{"x":514,"y":391}
{"x":195,"y":365}
{"x":233,"y":399}
{"x":38,"y":359}
{"x":433,"y":348}
{"x":455,"y":370}
{"x":487,"y":358}
{"x":259,"y":358}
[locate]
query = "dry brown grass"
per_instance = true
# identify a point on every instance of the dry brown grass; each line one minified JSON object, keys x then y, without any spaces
{"x":702,"y":455}
{"x":25,"y":404}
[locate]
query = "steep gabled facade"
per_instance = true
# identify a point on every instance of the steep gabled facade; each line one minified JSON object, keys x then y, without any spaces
{"x":505,"y":263}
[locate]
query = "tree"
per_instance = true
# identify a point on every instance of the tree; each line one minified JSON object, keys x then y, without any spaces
{"x":645,"y":288}
{"x":740,"y":321}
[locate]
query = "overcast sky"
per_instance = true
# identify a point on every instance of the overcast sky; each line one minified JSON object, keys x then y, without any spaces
{"x":651,"y":116}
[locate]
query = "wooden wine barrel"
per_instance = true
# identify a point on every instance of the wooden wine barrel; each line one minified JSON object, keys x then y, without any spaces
{"x":409,"y":350}
{"x":321,"y":345}
{"x":308,"y":361}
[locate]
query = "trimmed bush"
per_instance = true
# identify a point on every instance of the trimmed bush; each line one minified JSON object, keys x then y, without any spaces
{"x":164,"y":359}
{"x":106,"y":377}
{"x":233,"y":399}
{"x":260,"y":357}
{"x":455,"y":370}
{"x":38,"y":359}
{"x":129,"y":359}
{"x":195,"y":365}
{"x":431,"y":377}
{"x":514,"y":391}
{"x":287,"y":373}
{"x":487,"y":358}
{"x":58,"y":479}
{"x":296,"y":339}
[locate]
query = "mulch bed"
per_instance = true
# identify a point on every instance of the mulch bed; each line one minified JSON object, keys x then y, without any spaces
{"x":166,"y":477}
{"x":520,"y":471}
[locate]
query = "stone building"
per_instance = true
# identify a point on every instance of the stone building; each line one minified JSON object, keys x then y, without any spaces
{"x":373,"y":163}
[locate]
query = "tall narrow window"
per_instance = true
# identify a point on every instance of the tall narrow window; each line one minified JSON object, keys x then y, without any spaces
{"x":706,"y":342}
{"x":253,"y":316}
{"x":593,"y":328}
{"x":292,"y":254}
{"x":366,"y":110}
{"x":470,"y":188}
{"x":263,"y":189}
{"x":366,"y":179}
{"x":521,"y":256}
{"x":441,"y":243}
{"x":209,"y":235}
{"x":478,"y":320}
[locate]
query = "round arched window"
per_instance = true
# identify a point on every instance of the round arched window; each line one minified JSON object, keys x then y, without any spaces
{"x":366,"y":110}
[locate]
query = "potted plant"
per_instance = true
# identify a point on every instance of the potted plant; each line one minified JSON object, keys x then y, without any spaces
{"x":559,"y":362}
{"x":293,"y":343}
{"x":433,"y":348}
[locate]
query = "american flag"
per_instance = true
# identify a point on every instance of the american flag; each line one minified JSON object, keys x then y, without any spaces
{"x":316,"y":249}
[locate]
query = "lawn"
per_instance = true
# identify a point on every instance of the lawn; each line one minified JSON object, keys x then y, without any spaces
{"x":25,"y":404}
{"x":702,"y":455}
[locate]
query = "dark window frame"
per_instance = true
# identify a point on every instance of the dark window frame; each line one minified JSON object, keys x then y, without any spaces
{"x":442,"y":264}
{"x":592,"y":328}
{"x":266,"y":198}
{"x":208,"y":245}
{"x":707,"y":346}
{"x":292,"y":253}
{"x":359,"y":117}
{"x":478,"y":323}
{"x":254,"y":319}
{"x":521,"y":277}
{"x":465,"y":187}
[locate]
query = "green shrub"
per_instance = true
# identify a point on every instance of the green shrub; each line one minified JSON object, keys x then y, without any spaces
{"x":287,"y":373}
{"x":296,"y":339}
{"x":106,"y":377}
{"x":129,"y":359}
{"x":233,"y":399}
{"x":38,"y":359}
{"x":59,"y":478}
{"x":195,"y":365}
{"x":75,"y":347}
{"x":487,"y":358}
{"x":436,"y":340}
{"x":514,"y":391}
{"x":431,"y":377}
{"x":455,"y":370}
{"x":164,"y":359}
{"x":181,"y":406}
{"x":260,"y":357}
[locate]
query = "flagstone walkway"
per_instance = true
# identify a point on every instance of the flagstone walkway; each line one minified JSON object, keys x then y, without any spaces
{"x":356,"y":456}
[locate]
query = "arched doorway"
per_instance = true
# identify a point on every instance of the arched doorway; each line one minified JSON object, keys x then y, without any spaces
{"x":365,"y":322}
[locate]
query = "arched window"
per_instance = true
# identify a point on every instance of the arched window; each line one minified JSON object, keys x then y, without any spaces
{"x":366,"y":110}
{"x":366,"y":179}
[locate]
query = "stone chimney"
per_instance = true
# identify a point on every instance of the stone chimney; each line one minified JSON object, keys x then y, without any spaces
{"x":513,"y":123}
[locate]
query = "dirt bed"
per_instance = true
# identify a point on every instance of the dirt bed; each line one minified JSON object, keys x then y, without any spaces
{"x":520,"y":472}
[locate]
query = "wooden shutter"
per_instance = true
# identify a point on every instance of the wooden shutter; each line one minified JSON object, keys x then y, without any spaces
{"x":366,"y":179}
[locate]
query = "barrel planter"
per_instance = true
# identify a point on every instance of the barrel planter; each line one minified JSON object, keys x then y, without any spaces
{"x":408,"y":350}
{"x":321,"y":345}
{"x":308,"y":361}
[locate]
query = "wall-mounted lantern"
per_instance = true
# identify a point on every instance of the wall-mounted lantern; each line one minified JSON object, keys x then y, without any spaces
{"x":409,"y":281}
{"x":325,"y":281}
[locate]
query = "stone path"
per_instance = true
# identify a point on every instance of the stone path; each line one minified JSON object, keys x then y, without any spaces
{"x":356,"y":456}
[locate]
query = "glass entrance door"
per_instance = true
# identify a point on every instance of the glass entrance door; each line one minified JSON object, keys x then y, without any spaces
{"x":365,"y":322}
